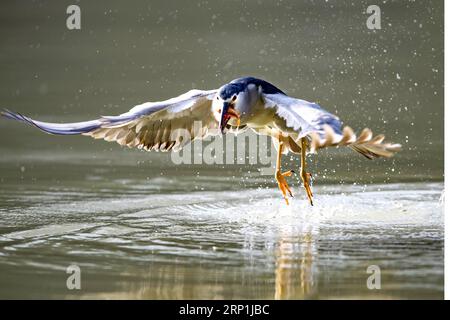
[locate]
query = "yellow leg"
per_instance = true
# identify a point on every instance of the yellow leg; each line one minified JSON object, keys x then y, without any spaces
{"x":280,"y":177}
{"x":306,"y":177}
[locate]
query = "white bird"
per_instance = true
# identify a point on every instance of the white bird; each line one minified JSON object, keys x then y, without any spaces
{"x":295,"y":125}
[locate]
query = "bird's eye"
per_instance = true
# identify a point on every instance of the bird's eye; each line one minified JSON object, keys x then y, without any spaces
{"x":217,"y":98}
{"x":233,"y":99}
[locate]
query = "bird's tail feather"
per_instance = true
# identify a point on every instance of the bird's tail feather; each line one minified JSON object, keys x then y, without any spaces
{"x":365,"y":144}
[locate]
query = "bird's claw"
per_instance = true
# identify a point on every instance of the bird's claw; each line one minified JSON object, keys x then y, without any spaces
{"x":282,"y":184}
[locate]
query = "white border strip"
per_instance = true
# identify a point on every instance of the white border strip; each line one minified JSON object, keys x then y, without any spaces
{"x":446,"y":157}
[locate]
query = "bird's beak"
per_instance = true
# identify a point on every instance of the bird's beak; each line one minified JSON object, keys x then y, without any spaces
{"x":224,"y":117}
{"x":227,"y":113}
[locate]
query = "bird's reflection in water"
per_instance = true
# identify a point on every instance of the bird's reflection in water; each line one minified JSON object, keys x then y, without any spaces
{"x":271,"y":262}
{"x":295,"y":274}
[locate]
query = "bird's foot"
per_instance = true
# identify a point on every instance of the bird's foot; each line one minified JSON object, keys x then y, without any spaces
{"x":282,"y":184}
{"x":307,"y":183}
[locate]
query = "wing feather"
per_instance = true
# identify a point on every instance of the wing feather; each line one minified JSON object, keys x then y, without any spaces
{"x":325,"y":129}
{"x":162,"y":125}
{"x":302,"y":116}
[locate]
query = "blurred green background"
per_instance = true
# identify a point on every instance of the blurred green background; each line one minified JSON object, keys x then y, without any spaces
{"x":390,"y":80}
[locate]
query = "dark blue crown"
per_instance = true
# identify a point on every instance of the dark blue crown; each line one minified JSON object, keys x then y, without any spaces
{"x":238,"y":85}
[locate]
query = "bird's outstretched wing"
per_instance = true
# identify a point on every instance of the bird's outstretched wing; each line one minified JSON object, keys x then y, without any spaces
{"x":162,"y":126}
{"x":324,"y":129}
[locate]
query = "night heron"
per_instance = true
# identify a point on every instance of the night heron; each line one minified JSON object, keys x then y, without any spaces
{"x":295,"y":125}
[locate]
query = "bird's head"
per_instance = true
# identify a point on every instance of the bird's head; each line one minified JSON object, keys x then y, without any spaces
{"x":229,"y":104}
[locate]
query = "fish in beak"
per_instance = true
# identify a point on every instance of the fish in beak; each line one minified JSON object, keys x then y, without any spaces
{"x":228,"y":112}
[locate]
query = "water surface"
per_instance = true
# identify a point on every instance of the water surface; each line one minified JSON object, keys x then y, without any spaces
{"x":140,"y":238}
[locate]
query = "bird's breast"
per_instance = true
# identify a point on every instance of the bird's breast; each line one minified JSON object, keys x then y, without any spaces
{"x":258,"y":117}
